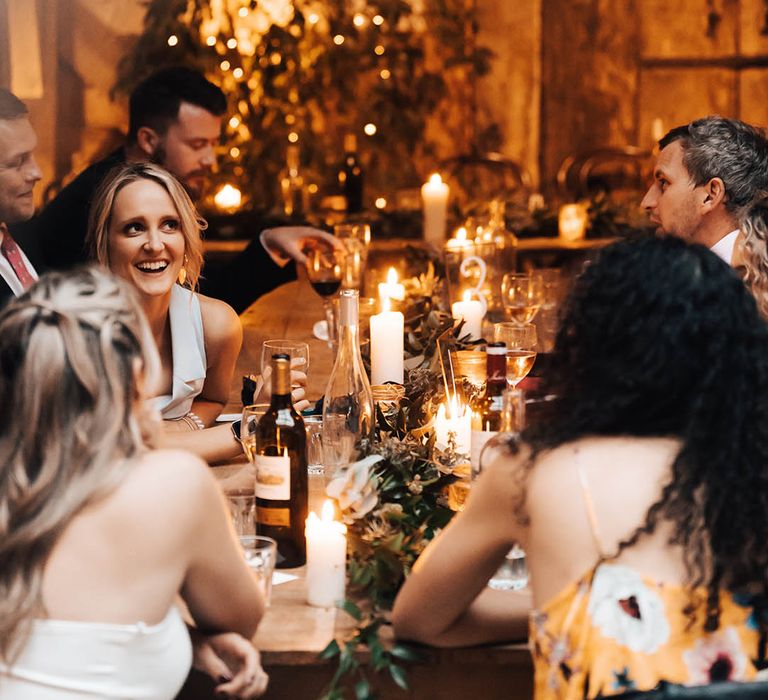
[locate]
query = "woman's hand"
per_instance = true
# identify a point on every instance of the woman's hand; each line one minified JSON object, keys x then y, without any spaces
{"x":298,"y":384}
{"x":233,"y":663}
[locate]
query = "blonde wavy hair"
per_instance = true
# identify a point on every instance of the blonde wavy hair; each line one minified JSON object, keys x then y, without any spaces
{"x":72,"y":352}
{"x":754,"y":249}
{"x":100,"y":219}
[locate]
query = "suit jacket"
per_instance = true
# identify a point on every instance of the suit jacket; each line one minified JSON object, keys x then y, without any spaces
{"x":59,"y":231}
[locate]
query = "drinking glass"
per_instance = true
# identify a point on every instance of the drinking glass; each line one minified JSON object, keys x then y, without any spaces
{"x":325,"y":270}
{"x":521,"y":296}
{"x":295,"y":349}
{"x":512,"y":575}
{"x":315,"y":467}
{"x":356,"y":239}
{"x":242,"y":508}
{"x":261,"y":554}
{"x":521,"y":348}
{"x":251,"y":416}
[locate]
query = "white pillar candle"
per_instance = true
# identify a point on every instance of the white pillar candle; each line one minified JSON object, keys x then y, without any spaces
{"x":326,"y":558}
{"x":434,"y":202}
{"x":391,"y":289}
{"x":387,"y":330}
{"x":456,"y":419}
{"x":471,"y":310}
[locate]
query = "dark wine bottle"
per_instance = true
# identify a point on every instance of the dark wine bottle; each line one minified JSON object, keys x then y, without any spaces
{"x":281,"y":471}
{"x":487,"y":411}
{"x":351,"y":176}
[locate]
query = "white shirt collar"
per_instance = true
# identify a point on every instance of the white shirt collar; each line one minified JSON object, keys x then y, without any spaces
{"x":6,"y":271}
{"x":724,"y":247}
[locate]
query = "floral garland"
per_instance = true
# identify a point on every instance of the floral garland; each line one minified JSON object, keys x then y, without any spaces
{"x":394,"y":501}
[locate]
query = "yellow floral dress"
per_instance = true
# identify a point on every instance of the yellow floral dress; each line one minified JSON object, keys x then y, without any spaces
{"x":615,"y":631}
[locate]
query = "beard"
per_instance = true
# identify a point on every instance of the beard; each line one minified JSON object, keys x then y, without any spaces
{"x":194,"y":189}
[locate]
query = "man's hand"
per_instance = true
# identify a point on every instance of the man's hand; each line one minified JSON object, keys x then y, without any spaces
{"x":233,"y":663}
{"x":291,"y":241}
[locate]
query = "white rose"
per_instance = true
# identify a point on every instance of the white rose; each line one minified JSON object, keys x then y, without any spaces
{"x":356,"y":489}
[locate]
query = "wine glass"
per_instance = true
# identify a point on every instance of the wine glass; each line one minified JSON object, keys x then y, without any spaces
{"x":325,"y":270}
{"x":521,"y":348}
{"x":521,"y":295}
{"x":293,"y":348}
{"x":356,"y":239}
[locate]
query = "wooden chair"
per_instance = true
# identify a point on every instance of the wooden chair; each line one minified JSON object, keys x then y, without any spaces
{"x":603,"y":169}
{"x":715,"y":691}
{"x":482,"y":177}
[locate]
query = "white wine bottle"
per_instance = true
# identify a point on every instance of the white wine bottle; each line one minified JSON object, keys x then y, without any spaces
{"x":281,"y":471}
{"x":348,"y":405}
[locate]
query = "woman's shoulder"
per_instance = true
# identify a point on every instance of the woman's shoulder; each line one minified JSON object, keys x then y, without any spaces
{"x":170,"y":475}
{"x":220,"y":321}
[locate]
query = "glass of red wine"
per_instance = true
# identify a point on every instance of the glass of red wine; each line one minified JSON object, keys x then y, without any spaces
{"x":325,"y":269}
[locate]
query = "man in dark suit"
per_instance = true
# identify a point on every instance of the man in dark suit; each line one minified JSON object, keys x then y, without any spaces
{"x":18,"y":175}
{"x":174,"y":121}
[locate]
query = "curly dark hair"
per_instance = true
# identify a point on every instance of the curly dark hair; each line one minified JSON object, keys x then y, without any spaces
{"x":661,"y":338}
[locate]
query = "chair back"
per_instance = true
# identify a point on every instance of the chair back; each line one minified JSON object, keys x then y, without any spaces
{"x":476,"y":179}
{"x":603,"y":169}
{"x":714,"y":691}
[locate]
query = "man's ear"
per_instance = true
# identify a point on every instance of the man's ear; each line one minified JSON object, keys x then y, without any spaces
{"x":714,"y":194}
{"x":147,"y":140}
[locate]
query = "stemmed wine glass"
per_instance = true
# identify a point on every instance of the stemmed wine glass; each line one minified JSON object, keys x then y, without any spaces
{"x":521,"y":348}
{"x":521,"y":295}
{"x":325,"y":268}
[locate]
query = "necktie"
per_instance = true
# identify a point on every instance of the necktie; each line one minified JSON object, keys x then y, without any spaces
{"x":12,"y":252}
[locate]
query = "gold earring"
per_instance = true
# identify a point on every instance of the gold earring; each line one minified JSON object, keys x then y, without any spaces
{"x":183,"y":272}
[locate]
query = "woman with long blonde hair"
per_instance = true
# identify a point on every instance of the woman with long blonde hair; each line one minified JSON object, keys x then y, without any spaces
{"x":145,"y":228}
{"x":752,"y":252}
{"x":98,"y":533}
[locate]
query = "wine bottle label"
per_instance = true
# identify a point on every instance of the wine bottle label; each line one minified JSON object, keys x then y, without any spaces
{"x":273,"y":477}
{"x":275,"y":517}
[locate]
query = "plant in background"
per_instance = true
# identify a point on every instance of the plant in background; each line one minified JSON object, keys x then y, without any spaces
{"x":307,"y":72}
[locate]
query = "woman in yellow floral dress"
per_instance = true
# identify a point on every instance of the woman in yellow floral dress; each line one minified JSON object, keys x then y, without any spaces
{"x":642,"y":502}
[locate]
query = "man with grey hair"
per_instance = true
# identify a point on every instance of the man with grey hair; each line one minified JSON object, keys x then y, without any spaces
{"x":706,"y":175}
{"x":18,"y":176}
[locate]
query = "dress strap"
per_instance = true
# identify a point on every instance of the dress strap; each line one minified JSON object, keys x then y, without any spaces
{"x":589,"y":504}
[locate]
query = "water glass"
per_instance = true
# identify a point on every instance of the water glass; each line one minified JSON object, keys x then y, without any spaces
{"x":293,"y":348}
{"x":251,"y":416}
{"x":315,"y":468}
{"x":513,"y":573}
{"x":242,"y":508}
{"x":261,"y":554}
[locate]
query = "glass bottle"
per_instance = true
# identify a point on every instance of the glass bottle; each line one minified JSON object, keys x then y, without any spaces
{"x":348,"y":413}
{"x":487,"y":410}
{"x":351,"y":176}
{"x":292,"y":187}
{"x":281,"y":471}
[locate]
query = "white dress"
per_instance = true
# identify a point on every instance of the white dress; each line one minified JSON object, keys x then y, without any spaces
{"x":188,"y":353}
{"x":68,"y":660}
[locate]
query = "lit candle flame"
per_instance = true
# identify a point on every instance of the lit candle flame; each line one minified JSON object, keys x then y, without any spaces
{"x":326,"y":514}
{"x":392,"y":276}
{"x":467,"y":296}
{"x":461,"y":234}
{"x":435,"y":179}
{"x":385,"y":304}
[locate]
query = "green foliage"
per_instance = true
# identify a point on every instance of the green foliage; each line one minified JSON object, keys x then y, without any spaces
{"x":393,"y":72}
{"x":411,"y":507}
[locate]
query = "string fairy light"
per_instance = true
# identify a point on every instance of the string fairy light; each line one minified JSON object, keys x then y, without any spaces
{"x":173,"y":40}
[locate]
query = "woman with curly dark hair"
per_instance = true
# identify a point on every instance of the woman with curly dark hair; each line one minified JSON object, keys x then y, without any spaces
{"x":642,"y":503}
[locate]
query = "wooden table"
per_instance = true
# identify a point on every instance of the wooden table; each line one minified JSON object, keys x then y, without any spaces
{"x":292,"y":633}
